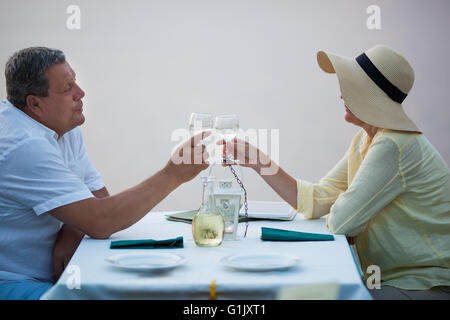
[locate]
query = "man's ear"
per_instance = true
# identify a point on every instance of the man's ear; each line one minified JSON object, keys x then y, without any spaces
{"x":34,"y":105}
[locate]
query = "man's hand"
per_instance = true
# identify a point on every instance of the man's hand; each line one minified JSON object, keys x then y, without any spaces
{"x":189,"y":159}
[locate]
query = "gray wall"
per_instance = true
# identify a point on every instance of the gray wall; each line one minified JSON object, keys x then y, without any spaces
{"x":146,"y":65}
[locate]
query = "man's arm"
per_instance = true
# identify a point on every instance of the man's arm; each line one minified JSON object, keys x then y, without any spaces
{"x":102,"y":193}
{"x":99,"y":218}
{"x":68,"y":240}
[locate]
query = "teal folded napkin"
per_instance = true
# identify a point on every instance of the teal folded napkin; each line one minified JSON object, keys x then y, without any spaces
{"x":148,"y":244}
{"x":271,"y":234}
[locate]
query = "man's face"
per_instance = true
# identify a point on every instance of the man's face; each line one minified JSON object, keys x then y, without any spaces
{"x":62,"y":109}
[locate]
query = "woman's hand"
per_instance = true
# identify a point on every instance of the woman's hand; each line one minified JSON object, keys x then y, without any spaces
{"x":247,"y":154}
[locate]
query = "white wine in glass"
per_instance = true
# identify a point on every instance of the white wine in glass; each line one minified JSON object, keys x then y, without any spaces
{"x":227,"y":127}
{"x":200,"y":122}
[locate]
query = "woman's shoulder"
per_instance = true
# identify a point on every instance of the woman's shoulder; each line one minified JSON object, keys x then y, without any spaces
{"x":400,"y":138}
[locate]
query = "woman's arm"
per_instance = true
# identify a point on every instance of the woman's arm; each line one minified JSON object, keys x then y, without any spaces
{"x":283,"y":184}
{"x":376,"y":184}
{"x":313,"y":200}
{"x":250,"y":156}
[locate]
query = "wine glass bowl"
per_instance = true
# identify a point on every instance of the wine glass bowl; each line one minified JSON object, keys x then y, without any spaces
{"x":199,"y":122}
{"x":227,"y":127}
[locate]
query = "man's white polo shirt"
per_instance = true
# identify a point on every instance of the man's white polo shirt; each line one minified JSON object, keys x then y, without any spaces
{"x":38,"y":173}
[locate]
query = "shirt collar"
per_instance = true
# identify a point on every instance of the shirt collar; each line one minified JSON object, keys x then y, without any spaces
{"x":30,"y":123}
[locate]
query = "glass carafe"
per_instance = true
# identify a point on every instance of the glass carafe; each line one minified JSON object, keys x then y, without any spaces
{"x":208,"y":225}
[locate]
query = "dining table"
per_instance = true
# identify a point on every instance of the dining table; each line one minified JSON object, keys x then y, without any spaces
{"x":300,"y":270}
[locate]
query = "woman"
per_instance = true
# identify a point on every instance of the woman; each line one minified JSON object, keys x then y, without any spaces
{"x":391,"y":190}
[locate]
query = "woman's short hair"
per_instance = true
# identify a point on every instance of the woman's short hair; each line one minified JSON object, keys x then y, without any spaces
{"x":25,"y":73}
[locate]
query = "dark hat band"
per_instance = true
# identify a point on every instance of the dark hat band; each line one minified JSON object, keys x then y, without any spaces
{"x":380,"y":80}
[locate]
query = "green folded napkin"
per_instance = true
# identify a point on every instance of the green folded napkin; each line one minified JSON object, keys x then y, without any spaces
{"x":272,"y":234}
{"x":148,"y":244}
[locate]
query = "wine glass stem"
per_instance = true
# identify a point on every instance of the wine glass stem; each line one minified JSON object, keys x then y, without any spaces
{"x":229,"y":156}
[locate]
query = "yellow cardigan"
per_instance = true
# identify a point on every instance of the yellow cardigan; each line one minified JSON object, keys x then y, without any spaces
{"x":392,"y":194}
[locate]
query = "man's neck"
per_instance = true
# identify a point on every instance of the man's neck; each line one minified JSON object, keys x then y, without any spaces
{"x":37,"y":119}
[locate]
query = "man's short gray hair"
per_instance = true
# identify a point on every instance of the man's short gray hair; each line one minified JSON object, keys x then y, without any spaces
{"x":25,"y":73}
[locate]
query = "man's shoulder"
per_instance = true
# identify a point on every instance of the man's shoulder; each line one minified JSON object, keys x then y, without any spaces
{"x":14,"y":136}
{"x":28,"y":146}
{"x":11,"y":136}
{"x":14,"y":131}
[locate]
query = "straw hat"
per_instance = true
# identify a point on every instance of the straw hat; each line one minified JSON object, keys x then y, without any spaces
{"x":374,"y":85}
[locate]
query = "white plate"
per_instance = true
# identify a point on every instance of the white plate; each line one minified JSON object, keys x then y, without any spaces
{"x":146,"y":261}
{"x":260,"y":261}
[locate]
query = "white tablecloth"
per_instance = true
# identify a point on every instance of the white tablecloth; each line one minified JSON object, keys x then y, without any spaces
{"x":320,"y":262}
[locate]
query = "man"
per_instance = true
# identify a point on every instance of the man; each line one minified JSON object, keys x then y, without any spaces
{"x":50,"y":193}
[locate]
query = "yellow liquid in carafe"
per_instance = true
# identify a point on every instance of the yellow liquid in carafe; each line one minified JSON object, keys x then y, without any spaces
{"x":208,"y":229}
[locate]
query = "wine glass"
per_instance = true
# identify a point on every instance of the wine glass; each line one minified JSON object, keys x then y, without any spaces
{"x":200,"y":122}
{"x":227,"y":127}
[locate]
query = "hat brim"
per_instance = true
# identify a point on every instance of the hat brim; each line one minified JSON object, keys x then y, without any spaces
{"x":363,"y":97}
